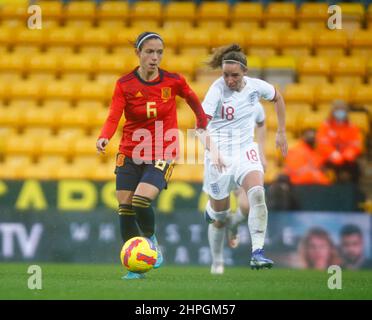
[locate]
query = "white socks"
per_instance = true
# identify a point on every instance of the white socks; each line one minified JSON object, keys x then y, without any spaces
{"x":216,"y":238}
{"x":257,"y":218}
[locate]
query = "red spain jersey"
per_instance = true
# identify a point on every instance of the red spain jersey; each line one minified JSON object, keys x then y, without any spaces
{"x":150,"y":130}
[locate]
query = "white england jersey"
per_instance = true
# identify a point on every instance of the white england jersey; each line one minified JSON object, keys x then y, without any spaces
{"x":234,"y":114}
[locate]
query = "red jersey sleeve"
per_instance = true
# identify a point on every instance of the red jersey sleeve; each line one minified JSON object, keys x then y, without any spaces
{"x":115,"y":113}
{"x":193,"y":101}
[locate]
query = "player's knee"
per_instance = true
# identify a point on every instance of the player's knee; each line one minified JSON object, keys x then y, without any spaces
{"x":218,"y":218}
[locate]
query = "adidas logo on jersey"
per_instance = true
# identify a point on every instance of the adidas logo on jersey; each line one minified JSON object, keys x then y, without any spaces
{"x":139,"y":94}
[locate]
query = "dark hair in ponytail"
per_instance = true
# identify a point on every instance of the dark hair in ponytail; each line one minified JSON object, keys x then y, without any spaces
{"x":232,"y":52}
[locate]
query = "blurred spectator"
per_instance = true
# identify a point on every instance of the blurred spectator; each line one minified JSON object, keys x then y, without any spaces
{"x":352,"y":248}
{"x":280,"y":195}
{"x":303,"y":163}
{"x":317,"y":251}
{"x":340,"y":143}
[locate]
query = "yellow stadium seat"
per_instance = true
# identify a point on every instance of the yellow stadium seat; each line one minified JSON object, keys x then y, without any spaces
{"x":37,"y":131}
{"x":20,"y":144}
{"x":200,"y":88}
{"x":246,"y":15}
{"x":299,"y":93}
{"x":4,"y":90}
{"x":228,"y":36}
{"x":90,"y":161}
{"x":80,"y":14}
{"x":73,"y":117}
{"x":12,"y":66}
{"x":297,"y":43}
{"x":125,"y":39}
{"x":348,"y":70}
{"x":91,"y":104}
{"x":195,"y":42}
{"x":13,"y":117}
{"x":36,"y":116}
{"x":109,"y":68}
{"x":54,"y":145}
{"x":146,"y":14}
{"x":326,"y":93}
{"x":95,"y":41}
{"x":46,"y":167}
{"x":369,"y":71}
{"x":186,"y":118}
{"x":352,"y":16}
{"x":21,"y":103}
{"x":103,"y":172}
{"x":92,"y":91}
{"x":170,"y":38}
{"x":14,"y":14}
{"x":312,"y":119}
{"x":312,"y":16}
{"x":212,"y":14}
{"x":262,"y":43}
{"x":60,"y":90}
{"x":6,"y":39}
{"x":280,"y":70}
{"x":71,"y":171}
{"x":280,"y":16}
{"x":179,"y":15}
{"x":70,"y":133}
{"x":42,"y":67}
{"x":188,"y":172}
{"x":360,"y":119}
{"x":314,"y":70}
{"x":29,"y":90}
{"x":362,"y":95}
{"x":113,"y":14}
{"x":14,"y":166}
{"x":52,"y":12}
{"x":62,"y":40}
{"x":29,"y":41}
{"x":181,"y":64}
{"x":77,"y":67}
{"x":272,"y":171}
{"x":330,"y":43}
{"x":84,"y":146}
{"x":361,"y":43}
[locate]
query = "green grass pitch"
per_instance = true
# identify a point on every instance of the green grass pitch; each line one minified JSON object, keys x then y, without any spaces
{"x":88,"y":281}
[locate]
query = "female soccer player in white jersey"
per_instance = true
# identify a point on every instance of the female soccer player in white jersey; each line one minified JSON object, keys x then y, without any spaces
{"x":232,"y":105}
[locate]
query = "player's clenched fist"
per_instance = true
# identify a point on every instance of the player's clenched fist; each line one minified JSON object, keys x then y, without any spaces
{"x":101,"y":145}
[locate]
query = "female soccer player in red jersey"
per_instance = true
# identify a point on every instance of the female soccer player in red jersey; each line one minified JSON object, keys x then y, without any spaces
{"x":149,"y":144}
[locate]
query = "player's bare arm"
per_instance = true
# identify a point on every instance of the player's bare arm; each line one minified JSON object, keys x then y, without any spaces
{"x":281,"y":139}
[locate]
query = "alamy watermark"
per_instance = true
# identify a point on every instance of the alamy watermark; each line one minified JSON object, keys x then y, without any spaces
{"x":335,"y":280}
{"x":35,"y":20}
{"x":35,"y":281}
{"x":335,"y":20}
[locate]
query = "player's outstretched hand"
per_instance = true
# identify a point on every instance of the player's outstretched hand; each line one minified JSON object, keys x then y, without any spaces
{"x":101,"y":145}
{"x":281,"y":142}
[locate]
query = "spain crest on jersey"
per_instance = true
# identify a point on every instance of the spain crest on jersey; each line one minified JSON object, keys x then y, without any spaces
{"x":166,"y":93}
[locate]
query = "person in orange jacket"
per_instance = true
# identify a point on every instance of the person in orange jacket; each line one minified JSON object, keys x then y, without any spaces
{"x":340,"y":143}
{"x":303,"y":164}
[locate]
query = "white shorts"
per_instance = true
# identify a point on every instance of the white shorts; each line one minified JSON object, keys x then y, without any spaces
{"x":219,"y":185}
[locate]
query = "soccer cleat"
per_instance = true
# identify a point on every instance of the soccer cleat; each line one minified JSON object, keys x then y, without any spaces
{"x":160,"y":259}
{"x":217,"y":268}
{"x":258,"y":260}
{"x":133,"y":275}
